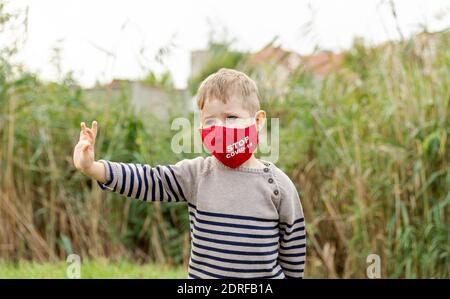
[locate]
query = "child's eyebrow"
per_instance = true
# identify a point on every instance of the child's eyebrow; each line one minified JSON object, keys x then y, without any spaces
{"x":209,"y":116}
{"x":230,"y":113}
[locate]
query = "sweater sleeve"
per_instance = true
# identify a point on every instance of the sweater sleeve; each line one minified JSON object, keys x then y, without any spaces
{"x":168,"y":183}
{"x":292,"y":248}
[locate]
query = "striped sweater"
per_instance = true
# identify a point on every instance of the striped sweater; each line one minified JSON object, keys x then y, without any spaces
{"x":244,"y":222}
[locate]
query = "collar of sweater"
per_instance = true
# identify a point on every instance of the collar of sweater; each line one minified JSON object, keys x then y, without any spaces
{"x":269,"y":167}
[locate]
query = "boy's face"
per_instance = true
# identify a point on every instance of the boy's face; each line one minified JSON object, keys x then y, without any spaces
{"x":231,"y":114}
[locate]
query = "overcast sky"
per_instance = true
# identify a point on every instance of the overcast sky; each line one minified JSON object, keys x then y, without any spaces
{"x":102,"y":39}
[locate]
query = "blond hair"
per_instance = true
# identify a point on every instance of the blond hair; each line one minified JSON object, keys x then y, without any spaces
{"x":224,"y":83}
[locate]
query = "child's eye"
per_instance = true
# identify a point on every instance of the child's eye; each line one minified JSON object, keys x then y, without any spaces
{"x":231,"y":117}
{"x":209,"y":122}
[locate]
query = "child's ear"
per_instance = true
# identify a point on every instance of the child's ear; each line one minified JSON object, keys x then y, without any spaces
{"x":260,"y":119}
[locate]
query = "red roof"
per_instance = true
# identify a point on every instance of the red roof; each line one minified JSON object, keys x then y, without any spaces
{"x":274,"y":54}
{"x":320,"y":63}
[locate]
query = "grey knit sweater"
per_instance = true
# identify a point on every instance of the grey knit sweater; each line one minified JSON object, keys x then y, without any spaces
{"x":245,"y":222}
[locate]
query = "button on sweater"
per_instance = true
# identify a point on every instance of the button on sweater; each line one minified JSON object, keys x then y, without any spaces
{"x":244,"y":222}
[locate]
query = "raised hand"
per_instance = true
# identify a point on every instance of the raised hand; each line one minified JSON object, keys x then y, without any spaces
{"x":83,"y":154}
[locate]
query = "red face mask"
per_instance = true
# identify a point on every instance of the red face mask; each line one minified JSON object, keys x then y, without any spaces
{"x":231,"y":146}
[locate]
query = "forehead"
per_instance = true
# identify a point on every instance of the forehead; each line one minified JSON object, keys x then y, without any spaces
{"x":215,"y":107}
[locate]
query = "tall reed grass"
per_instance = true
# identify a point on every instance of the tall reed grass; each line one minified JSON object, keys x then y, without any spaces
{"x":368,"y":146}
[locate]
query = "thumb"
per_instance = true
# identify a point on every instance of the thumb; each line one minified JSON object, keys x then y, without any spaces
{"x":86,"y":147}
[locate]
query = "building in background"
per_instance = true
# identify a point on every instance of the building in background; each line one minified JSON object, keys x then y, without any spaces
{"x":161,"y":102}
{"x":271,"y":67}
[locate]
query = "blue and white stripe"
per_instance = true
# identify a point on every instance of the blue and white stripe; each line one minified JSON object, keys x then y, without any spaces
{"x":158,"y":183}
{"x":224,"y":245}
{"x":238,"y":246}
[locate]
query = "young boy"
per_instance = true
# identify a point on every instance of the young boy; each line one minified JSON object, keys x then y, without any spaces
{"x":246,"y":216}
